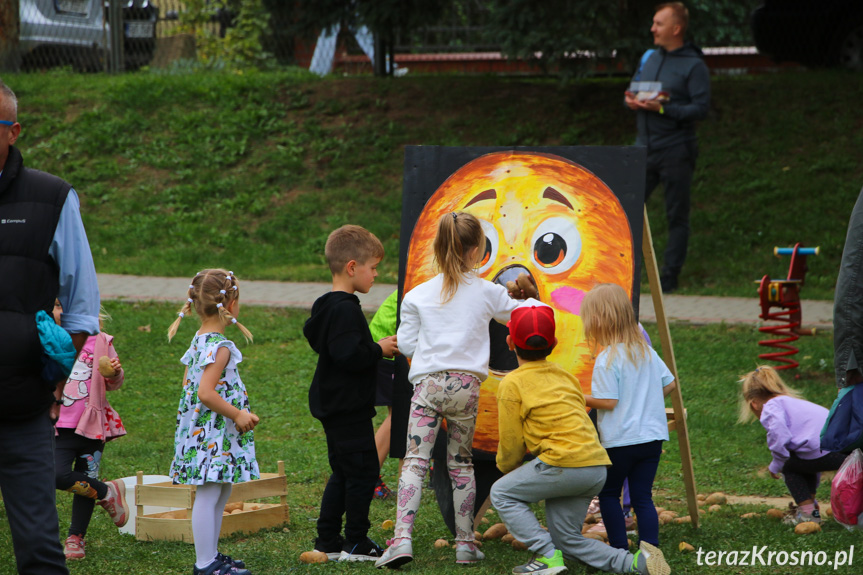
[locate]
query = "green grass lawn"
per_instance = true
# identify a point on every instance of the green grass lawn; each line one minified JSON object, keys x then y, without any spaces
{"x":277,"y":369}
{"x":251,"y":171}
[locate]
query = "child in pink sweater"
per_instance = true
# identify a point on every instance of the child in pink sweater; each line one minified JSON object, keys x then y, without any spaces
{"x":85,"y":424}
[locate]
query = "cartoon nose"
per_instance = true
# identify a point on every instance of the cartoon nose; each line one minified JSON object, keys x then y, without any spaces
{"x":501,"y":359}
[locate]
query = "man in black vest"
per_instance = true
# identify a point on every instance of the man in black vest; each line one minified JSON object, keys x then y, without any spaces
{"x":44,"y":254}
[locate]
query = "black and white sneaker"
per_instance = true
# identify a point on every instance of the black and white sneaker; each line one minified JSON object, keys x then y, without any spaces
{"x":332,"y":549}
{"x":366,"y":550}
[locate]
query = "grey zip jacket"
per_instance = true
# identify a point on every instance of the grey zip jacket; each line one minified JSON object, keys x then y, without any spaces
{"x":685,"y":77}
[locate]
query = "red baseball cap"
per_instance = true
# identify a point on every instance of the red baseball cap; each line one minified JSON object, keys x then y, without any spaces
{"x":529,"y":319}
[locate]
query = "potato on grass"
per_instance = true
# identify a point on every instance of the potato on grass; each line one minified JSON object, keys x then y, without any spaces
{"x":775,"y":513}
{"x":684,"y":547}
{"x":716,"y":498}
{"x":496,"y":531}
{"x":441,"y":544}
{"x":314,"y":557}
{"x":807,"y":527}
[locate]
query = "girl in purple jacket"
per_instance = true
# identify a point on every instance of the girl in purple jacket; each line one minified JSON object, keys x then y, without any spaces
{"x":793,"y":436}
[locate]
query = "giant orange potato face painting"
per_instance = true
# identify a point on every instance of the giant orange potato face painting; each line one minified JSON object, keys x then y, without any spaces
{"x":543,"y":215}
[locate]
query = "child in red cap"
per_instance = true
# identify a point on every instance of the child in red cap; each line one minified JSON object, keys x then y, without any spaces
{"x":542,"y":412}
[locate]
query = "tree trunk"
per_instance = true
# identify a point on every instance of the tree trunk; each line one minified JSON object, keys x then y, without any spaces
{"x":10,"y":55}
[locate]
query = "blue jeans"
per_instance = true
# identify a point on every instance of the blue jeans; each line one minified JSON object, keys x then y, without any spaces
{"x":638,"y":463}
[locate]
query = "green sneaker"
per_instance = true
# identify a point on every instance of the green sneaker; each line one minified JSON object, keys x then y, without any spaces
{"x":649,"y":560}
{"x":540,"y":565}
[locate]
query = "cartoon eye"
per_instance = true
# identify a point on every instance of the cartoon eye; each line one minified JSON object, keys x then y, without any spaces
{"x":490,"y":249}
{"x":556,"y":245}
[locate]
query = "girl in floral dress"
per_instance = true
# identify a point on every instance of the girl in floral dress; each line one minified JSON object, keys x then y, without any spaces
{"x":214,"y":446}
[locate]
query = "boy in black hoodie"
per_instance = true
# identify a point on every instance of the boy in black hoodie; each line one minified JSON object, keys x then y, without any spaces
{"x":342,"y":394}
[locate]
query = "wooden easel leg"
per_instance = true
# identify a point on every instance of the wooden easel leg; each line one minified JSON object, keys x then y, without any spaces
{"x":668,"y":355}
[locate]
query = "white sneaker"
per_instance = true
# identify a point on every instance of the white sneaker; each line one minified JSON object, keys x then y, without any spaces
{"x":396,"y":554}
{"x":467,"y":553}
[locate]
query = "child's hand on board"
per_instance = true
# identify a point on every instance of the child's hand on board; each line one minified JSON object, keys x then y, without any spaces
{"x":246,"y":421}
{"x":389,"y":346}
{"x":522,"y":288}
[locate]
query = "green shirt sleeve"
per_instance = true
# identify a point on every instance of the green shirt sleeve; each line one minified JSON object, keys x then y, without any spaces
{"x":383,"y":323}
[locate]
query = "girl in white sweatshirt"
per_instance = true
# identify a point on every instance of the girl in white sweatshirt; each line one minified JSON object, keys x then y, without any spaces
{"x":444,"y":330}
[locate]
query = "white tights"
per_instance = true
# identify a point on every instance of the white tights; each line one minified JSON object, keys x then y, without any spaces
{"x":210,"y":500}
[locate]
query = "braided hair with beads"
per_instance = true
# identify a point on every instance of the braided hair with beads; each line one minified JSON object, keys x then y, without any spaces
{"x":210,"y":294}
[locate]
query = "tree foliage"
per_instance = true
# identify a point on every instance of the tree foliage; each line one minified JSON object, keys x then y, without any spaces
{"x":553,"y":31}
{"x":244,"y":24}
{"x":383,"y":17}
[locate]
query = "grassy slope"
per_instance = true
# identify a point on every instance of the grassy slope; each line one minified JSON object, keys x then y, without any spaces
{"x":252,"y":171}
{"x":277,"y":369}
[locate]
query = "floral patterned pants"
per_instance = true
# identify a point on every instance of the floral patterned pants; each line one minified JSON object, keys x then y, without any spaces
{"x":446,"y":395}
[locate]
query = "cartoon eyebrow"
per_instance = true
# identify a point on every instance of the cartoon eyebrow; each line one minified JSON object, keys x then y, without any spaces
{"x":553,"y":194}
{"x":486,"y":195}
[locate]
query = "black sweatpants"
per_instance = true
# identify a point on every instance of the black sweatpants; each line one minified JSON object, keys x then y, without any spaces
{"x":354,"y":460}
{"x":803,"y":475}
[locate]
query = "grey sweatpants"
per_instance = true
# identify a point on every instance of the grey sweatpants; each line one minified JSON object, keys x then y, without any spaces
{"x":567,"y":492}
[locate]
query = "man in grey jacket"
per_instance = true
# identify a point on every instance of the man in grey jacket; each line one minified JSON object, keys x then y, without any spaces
{"x":848,"y":305}
{"x":666,"y":125}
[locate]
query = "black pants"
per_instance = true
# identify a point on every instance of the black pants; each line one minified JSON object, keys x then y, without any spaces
{"x":803,"y":475}
{"x":354,"y":460}
{"x":673,"y":168}
{"x":27,"y":484}
{"x":76,"y":465}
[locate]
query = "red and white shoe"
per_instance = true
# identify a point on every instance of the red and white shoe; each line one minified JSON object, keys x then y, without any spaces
{"x":115,"y":503}
{"x":74,"y":547}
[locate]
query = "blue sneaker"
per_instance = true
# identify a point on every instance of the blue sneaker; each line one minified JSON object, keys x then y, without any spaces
{"x":219,"y":568}
{"x":227,"y":559}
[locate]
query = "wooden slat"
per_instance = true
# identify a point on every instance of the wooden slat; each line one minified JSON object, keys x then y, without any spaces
{"x":680,"y":426}
{"x":269,"y":485}
{"x":164,"y":495}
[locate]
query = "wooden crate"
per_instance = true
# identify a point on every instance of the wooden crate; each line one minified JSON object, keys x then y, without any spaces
{"x":177,"y":525}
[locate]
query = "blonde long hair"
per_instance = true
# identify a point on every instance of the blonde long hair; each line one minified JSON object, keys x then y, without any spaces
{"x":609,"y":319}
{"x":211,"y":291}
{"x":762,"y":383}
{"x":458,"y":234}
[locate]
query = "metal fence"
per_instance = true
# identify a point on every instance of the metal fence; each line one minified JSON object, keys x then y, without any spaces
{"x":124,"y":35}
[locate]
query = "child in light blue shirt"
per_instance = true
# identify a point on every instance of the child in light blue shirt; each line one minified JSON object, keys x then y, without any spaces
{"x":628,"y":391}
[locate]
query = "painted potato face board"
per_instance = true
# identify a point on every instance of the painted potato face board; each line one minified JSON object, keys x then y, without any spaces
{"x":570,"y":217}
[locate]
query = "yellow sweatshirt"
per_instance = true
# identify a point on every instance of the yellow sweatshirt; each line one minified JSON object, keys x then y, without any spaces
{"x":542,"y":411}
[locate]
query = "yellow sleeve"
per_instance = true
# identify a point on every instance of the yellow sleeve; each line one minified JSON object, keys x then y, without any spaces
{"x":510,"y":447}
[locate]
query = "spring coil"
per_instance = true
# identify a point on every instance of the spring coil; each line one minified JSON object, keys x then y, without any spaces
{"x":785,"y":334}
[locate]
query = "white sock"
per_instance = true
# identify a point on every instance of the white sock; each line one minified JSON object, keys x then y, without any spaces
{"x":223,"y":500}
{"x":205,"y":512}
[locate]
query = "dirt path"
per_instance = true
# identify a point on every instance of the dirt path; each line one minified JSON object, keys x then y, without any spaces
{"x":778,"y":502}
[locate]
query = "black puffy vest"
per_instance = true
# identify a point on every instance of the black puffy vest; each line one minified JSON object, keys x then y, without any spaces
{"x":30,"y":206}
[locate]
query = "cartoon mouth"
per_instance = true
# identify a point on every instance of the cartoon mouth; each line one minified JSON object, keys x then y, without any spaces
{"x":501,"y":359}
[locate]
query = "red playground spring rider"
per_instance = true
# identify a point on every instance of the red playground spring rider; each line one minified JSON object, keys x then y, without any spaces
{"x":784,"y":294}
